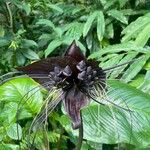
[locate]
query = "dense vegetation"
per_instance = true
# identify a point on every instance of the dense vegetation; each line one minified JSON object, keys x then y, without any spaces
{"x":110,"y":31}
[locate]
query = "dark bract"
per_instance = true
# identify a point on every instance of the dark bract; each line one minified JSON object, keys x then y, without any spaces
{"x":74,"y":75}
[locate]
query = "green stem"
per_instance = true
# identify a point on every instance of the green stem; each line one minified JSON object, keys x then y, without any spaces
{"x":80,"y":139}
{"x":59,"y":144}
{"x":10,"y":15}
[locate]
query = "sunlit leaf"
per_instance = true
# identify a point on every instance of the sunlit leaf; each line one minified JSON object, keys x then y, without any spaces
{"x":51,"y":47}
{"x":135,"y":27}
{"x":134,"y":69}
{"x":30,"y":54}
{"x":89,"y":23}
{"x":103,"y":124}
{"x":143,"y":36}
{"x":12,"y":131}
{"x":129,"y":46}
{"x":22,"y":89}
{"x":100,"y":25}
{"x":118,"y":15}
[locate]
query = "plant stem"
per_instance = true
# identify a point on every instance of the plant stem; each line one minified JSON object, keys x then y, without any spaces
{"x":23,"y":18}
{"x":80,"y":139}
{"x":10,"y":15}
{"x":60,"y":139}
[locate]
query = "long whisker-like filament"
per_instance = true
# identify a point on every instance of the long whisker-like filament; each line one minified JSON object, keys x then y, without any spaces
{"x":132,"y":114}
{"x":20,"y":104}
{"x":51,"y":102}
{"x":116,"y":66}
{"x":8,"y":79}
{"x":112,"y":112}
{"x":106,"y":98}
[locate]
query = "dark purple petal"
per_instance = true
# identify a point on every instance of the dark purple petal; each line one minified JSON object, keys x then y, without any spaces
{"x":67,"y":71}
{"x":75,"y":52}
{"x":45,"y":66}
{"x":74,"y":100}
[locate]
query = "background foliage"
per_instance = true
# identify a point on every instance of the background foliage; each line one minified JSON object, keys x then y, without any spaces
{"x":111,"y":31}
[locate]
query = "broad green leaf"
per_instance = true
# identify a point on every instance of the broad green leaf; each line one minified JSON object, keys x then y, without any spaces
{"x":55,"y":7}
{"x":122,"y":3}
{"x":103,"y":2}
{"x":118,"y":15}
{"x":138,"y":80}
{"x":81,"y":46}
{"x":113,"y":61}
{"x":143,"y":36}
{"x":129,"y":57}
{"x":23,"y":6}
{"x":8,"y":114}
{"x":147,"y":65}
{"x":74,"y":30}
{"x":110,"y":124}
{"x":89,"y":23}
{"x":30,"y":54}
{"x":12,"y":131}
{"x":45,"y":22}
{"x":51,"y":47}
{"x":3,"y":42}
{"x":23,"y":90}
{"x":29,"y":43}
{"x":145,"y":86}
{"x":4,"y":146}
{"x":100,"y":25}
{"x":2,"y":132}
{"x":2,"y":31}
{"x":129,"y":46}
{"x":135,"y":27}
{"x":109,"y":31}
{"x":20,"y":58}
{"x":26,"y":7}
{"x":109,"y":4}
{"x":135,"y":68}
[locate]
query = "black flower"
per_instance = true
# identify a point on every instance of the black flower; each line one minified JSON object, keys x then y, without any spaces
{"x":74,"y":75}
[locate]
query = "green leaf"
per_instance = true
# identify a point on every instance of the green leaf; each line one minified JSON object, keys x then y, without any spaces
{"x":4,"y":146}
{"x":23,"y":90}
{"x":135,"y":27}
{"x":45,"y":22}
{"x":26,"y":7}
{"x":100,"y":25}
{"x":29,"y":43}
{"x":81,"y":46}
{"x":135,"y":68}
{"x":103,"y":2}
{"x":122,"y":3}
{"x":113,"y":61}
{"x":55,"y":7}
{"x":2,"y":31}
{"x":129,"y":57}
{"x":3,"y":42}
{"x":109,"y":4}
{"x":74,"y":30}
{"x":109,"y":31}
{"x":12,"y":131}
{"x":143,"y":36}
{"x":118,"y":15}
{"x":52,"y":46}
{"x":138,"y":80}
{"x":20,"y":58}
{"x":126,"y":47}
{"x":30,"y":54}
{"x":89,"y":23}
{"x":110,"y":124}
{"x":145,"y":86}
{"x":8,"y":114}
